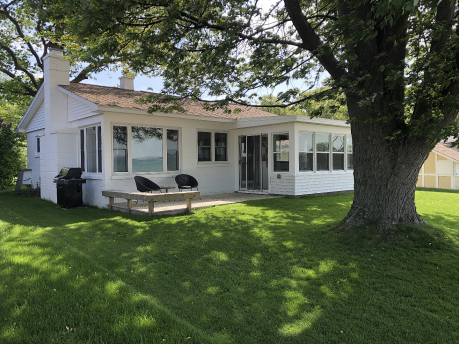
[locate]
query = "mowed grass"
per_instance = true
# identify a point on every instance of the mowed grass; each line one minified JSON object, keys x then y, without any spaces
{"x":270,"y":271}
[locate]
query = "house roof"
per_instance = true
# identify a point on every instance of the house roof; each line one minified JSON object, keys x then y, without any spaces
{"x":446,"y":150}
{"x":123,"y":98}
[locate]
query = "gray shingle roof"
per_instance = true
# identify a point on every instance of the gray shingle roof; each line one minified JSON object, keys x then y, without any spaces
{"x":123,"y":98}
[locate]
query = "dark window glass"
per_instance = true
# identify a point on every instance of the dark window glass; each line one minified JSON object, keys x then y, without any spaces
{"x":322,"y":161}
{"x":204,"y":146}
{"x":173,"y":149}
{"x":220,"y":146}
{"x":82,"y":149}
{"x":350,"y":161}
{"x":305,"y":161}
{"x":338,"y":162}
{"x":38,"y":145}
{"x":120,"y":151}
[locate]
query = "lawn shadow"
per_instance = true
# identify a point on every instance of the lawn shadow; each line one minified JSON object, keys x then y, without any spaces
{"x":263,"y":271}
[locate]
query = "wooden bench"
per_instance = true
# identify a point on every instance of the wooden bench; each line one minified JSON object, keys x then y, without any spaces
{"x":151,"y":198}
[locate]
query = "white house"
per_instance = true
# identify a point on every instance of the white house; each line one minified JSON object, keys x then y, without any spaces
{"x":112,"y":138}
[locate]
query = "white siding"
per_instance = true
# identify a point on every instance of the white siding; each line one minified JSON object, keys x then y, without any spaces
{"x":33,"y":159}
{"x":77,"y":110}
{"x":312,"y":183}
{"x":282,"y":186}
{"x":38,"y":120}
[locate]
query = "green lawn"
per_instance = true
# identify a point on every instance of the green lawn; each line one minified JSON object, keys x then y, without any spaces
{"x":268,"y":271}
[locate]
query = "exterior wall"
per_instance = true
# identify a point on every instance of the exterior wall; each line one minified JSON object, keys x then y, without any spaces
{"x":77,"y":110}
{"x":38,"y":121}
{"x":438,"y":172}
{"x":33,"y":158}
{"x":294,"y":182}
{"x":213,"y":177}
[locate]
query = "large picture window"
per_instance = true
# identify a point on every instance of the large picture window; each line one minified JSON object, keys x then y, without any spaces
{"x":91,"y":149}
{"x":151,"y":149}
{"x":281,"y":152}
{"x":306,"y":152}
{"x":147,"y":149}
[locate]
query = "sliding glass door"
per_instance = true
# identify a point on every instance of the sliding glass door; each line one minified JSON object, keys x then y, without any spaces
{"x":253,"y":154}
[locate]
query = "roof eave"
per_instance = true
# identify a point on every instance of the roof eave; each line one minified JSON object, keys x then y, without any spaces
{"x":104,"y":108}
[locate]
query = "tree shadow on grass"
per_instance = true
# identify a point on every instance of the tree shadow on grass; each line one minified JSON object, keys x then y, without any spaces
{"x":259,"y":272}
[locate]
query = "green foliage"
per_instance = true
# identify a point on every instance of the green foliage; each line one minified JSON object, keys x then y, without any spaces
{"x":315,"y":107}
{"x":11,"y":160}
{"x":397,"y":63}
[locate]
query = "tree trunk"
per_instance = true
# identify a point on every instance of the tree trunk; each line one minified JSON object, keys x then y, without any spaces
{"x":385,"y":172}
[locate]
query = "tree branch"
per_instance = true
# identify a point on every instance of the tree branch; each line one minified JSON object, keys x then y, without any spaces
{"x":311,"y":40}
{"x":21,"y":34}
{"x":17,"y":65}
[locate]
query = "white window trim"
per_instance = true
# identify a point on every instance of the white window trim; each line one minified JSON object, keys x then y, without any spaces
{"x":96,"y":174}
{"x":213,"y":161}
{"x":129,"y":150}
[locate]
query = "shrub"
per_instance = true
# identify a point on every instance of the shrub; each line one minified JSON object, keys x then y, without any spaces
{"x":11,"y":145}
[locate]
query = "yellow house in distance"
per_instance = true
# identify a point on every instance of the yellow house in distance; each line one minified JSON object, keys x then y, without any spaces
{"x":440,"y":169}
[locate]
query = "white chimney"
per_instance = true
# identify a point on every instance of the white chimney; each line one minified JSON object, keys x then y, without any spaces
{"x":57,"y":150}
{"x":126,"y":82}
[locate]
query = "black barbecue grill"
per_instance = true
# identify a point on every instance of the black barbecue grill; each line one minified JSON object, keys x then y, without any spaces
{"x":69,"y":187}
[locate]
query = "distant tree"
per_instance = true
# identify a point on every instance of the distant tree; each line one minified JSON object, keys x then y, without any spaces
{"x":11,"y":159}
{"x":396,"y":62}
{"x":324,"y":108}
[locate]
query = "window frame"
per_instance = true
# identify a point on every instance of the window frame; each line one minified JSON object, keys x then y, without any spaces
{"x":313,"y":152}
{"x":83,"y":159}
{"x":341,"y":153}
{"x":129,"y":149}
{"x":37,"y":146}
{"x":330,"y":152}
{"x":279,"y":152}
{"x":213,"y":160}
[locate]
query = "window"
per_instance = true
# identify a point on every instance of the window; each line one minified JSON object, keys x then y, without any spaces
{"x":306,"y":152}
{"x":204,"y":146}
{"x":147,"y":149}
{"x":338,"y":152}
{"x":322,"y":152}
{"x":151,"y":150}
{"x":38,"y":145}
{"x":91,"y":149}
{"x":349,"y":153}
{"x":120,"y":149}
{"x":220,"y":140}
{"x":281,"y":152}
{"x":212,"y":146}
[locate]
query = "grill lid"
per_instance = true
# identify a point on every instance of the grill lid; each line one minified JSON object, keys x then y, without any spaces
{"x":69,"y":173}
